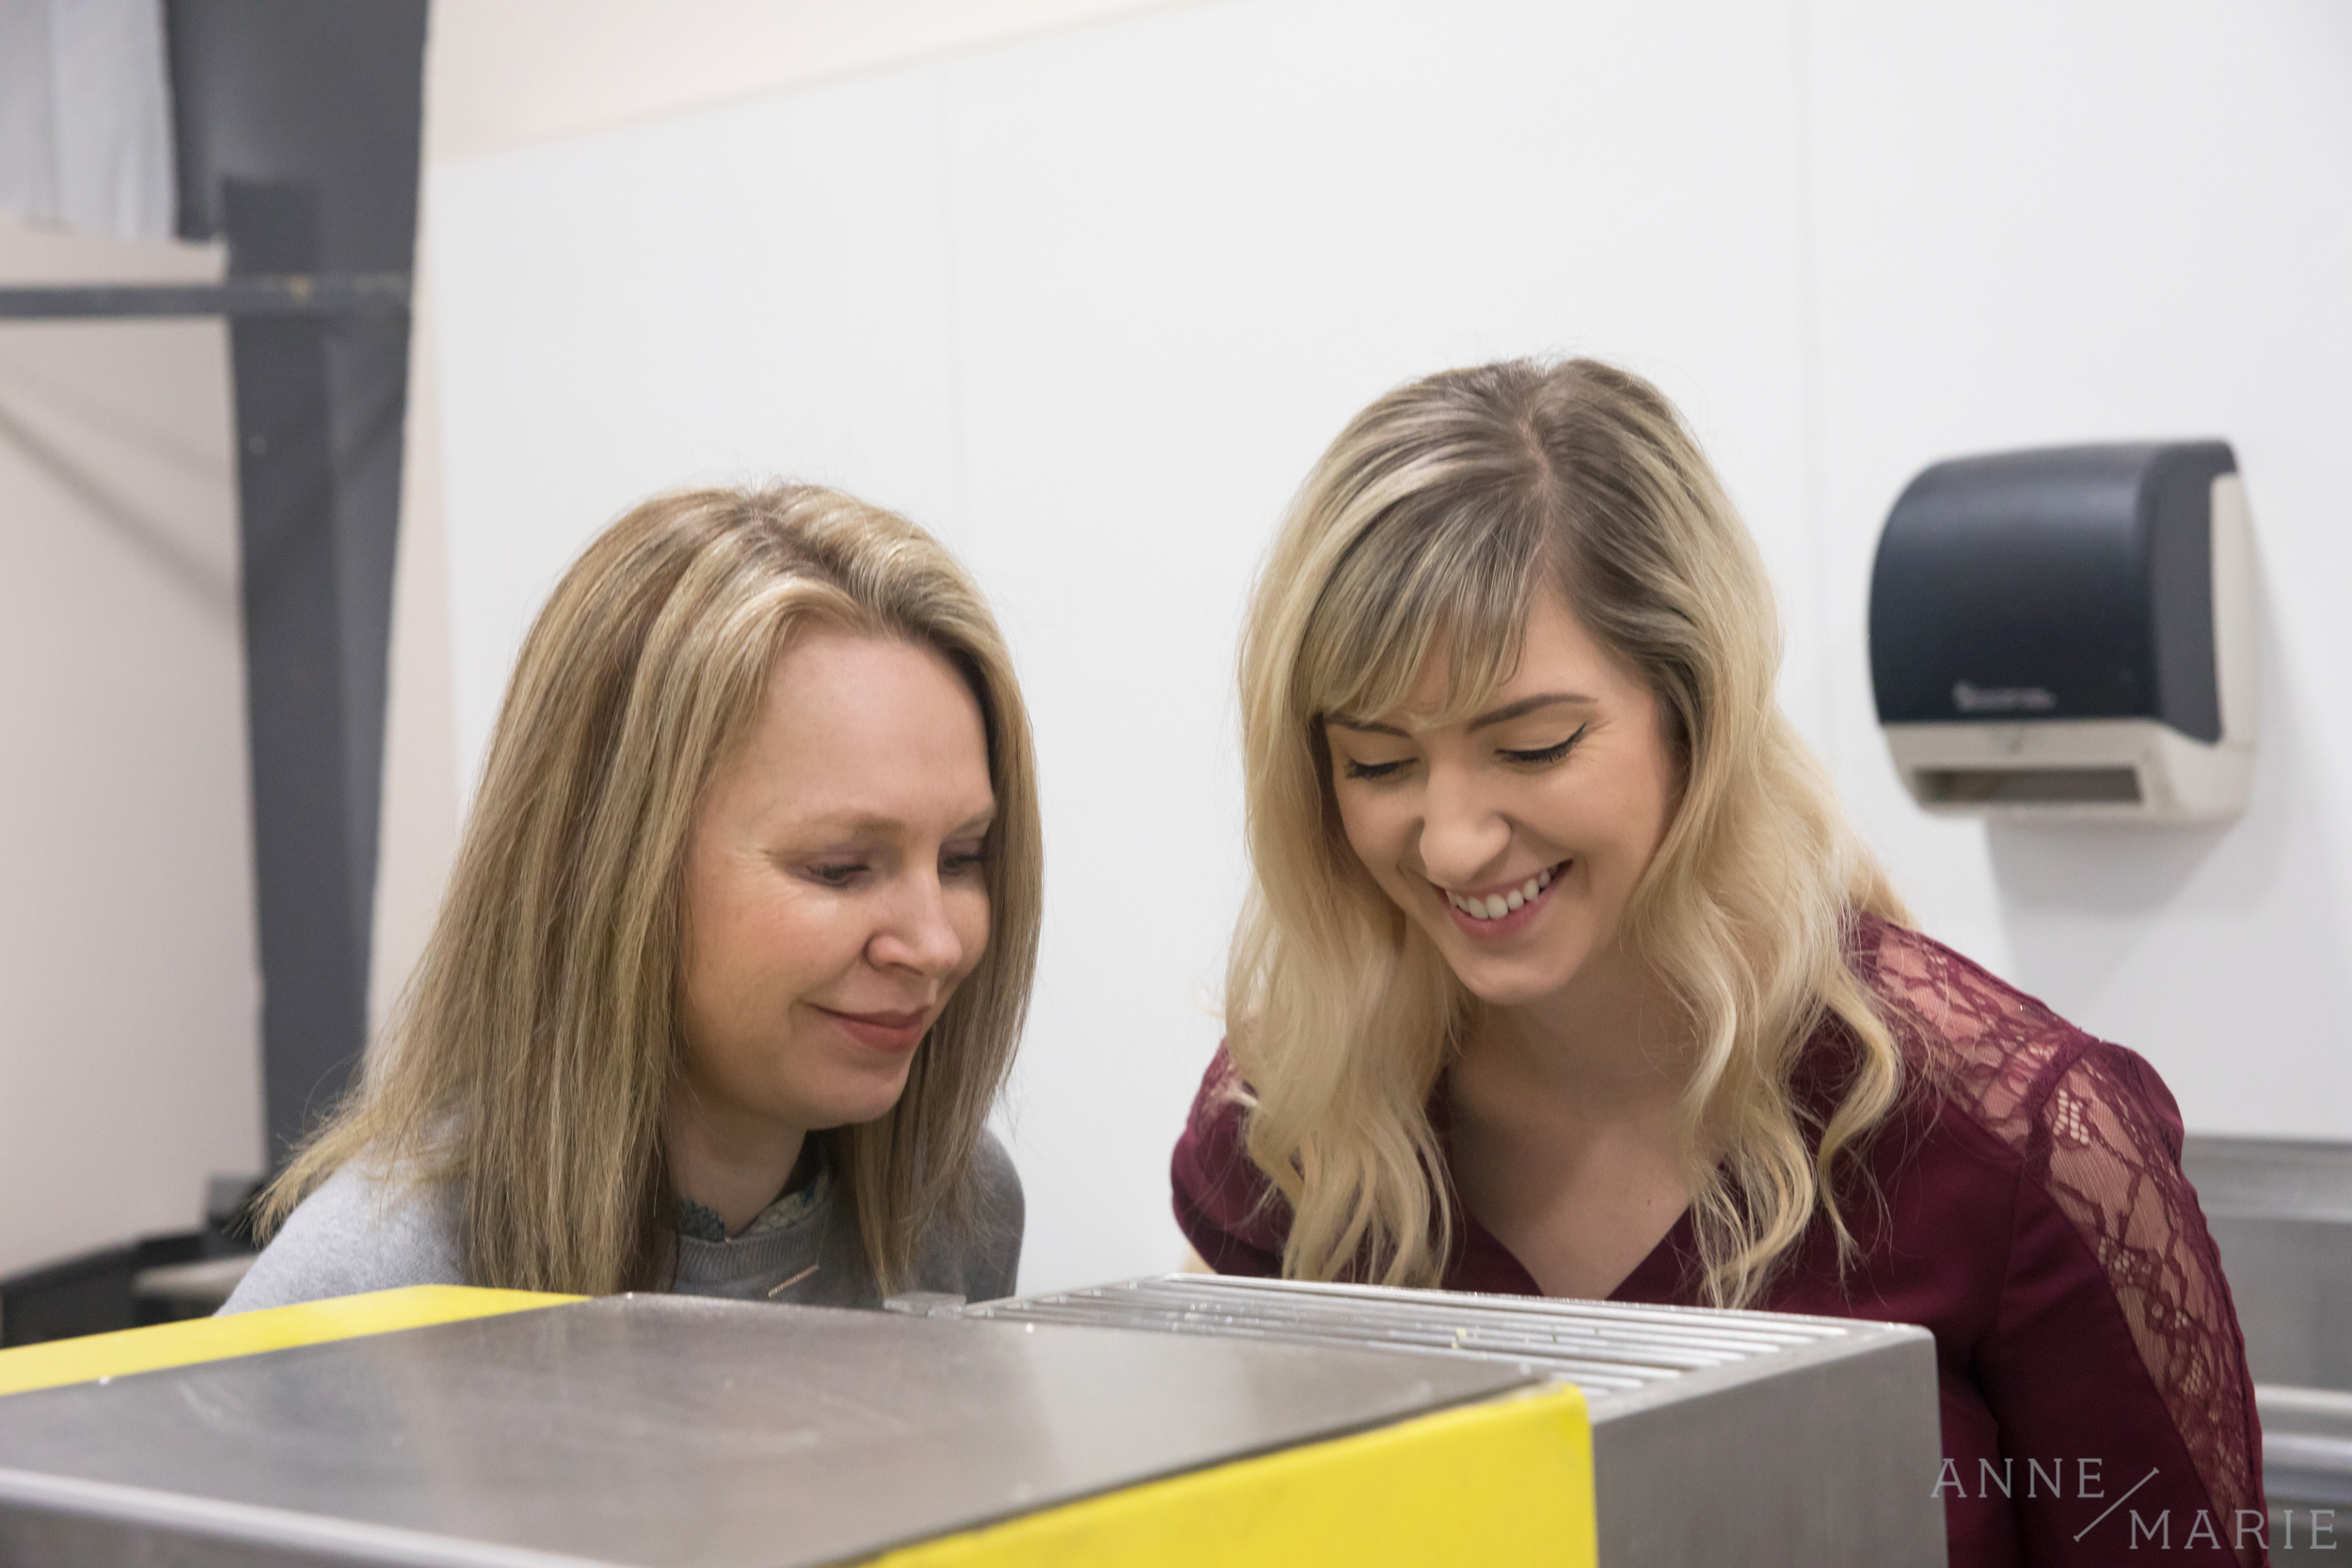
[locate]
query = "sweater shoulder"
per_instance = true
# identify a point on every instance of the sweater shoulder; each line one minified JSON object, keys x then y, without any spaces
{"x":976,"y":1255}
{"x":364,"y":1228}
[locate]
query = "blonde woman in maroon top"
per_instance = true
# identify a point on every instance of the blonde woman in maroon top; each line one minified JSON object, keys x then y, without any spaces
{"x":1563,"y":974}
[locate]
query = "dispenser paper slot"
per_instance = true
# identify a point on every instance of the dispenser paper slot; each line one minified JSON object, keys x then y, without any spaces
{"x":2028,"y":787}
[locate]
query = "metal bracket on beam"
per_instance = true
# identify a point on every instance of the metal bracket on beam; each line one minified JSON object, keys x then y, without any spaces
{"x":313,"y":294}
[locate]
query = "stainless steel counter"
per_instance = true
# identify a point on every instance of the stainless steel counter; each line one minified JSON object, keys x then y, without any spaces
{"x":2281,"y":1211}
{"x":660,"y":1430}
{"x":1758,"y":1438}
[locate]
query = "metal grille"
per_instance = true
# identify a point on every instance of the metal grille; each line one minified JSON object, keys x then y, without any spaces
{"x":1605,"y":1348}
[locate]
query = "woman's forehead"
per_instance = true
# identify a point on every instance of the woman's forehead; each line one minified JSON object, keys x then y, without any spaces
{"x":1459,"y":678}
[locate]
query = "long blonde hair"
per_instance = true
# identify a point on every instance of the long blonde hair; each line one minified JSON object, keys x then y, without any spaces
{"x":1425,"y":530}
{"x":532,"y":1050}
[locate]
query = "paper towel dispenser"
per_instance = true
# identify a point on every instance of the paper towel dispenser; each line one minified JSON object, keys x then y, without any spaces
{"x":2071,"y":632}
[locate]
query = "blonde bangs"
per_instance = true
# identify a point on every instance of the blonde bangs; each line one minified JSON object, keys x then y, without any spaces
{"x":1419,"y":586}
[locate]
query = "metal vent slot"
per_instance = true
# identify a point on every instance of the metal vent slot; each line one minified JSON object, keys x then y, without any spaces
{"x":2029,"y":786}
{"x":1604,"y":1349}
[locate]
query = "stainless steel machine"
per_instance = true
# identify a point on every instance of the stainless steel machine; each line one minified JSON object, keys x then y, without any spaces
{"x":1733,"y":1437}
{"x":661,"y":1430}
{"x":645,"y":1429}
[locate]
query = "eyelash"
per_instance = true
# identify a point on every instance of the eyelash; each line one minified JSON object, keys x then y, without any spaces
{"x":1374,"y":772}
{"x":1548,"y":754}
{"x":839,"y":876}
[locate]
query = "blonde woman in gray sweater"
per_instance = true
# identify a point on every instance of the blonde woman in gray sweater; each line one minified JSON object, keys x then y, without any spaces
{"x":737,"y":949}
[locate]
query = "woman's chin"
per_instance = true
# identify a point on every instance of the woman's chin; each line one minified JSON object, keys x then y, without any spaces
{"x":1520,"y":980}
{"x":1503,"y":996}
{"x":852,"y":1104}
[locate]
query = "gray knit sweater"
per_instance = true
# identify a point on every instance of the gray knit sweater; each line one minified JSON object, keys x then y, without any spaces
{"x":359,"y":1232}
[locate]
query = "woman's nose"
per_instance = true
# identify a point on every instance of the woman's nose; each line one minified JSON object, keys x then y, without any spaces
{"x":1462,"y":834}
{"x":916,"y":933}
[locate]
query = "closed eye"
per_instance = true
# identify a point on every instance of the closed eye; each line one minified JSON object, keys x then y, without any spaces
{"x":1376,"y":770}
{"x":1542,"y":756}
{"x":836,"y":873}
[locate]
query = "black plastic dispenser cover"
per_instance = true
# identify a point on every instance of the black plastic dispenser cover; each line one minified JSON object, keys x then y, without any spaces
{"x":2074,"y":583}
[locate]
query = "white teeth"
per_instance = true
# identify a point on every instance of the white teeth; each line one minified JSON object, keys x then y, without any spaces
{"x":1494,"y":907}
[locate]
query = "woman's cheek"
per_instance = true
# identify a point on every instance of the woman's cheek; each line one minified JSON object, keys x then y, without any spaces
{"x":1360,"y":820}
{"x":972,"y":927}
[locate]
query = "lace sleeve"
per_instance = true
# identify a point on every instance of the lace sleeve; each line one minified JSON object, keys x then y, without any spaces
{"x":2110,"y":1139}
{"x":2098,"y":1131}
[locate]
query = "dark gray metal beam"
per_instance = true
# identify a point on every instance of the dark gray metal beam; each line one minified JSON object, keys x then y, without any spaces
{"x":295,"y":295}
{"x":296,"y":130}
{"x":314,"y":856}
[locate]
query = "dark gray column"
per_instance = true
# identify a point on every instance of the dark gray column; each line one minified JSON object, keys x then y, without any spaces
{"x":297,"y":127}
{"x":313,"y":790}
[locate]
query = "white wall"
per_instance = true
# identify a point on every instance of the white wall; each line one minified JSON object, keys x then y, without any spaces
{"x":1088,"y":306}
{"x":2041,"y":223}
{"x":130,"y":1066}
{"x":509,"y":73}
{"x":503,"y":74}
{"x":418,"y":811}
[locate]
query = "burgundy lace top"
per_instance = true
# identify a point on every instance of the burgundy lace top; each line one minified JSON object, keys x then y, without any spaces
{"x":2092,"y":1378}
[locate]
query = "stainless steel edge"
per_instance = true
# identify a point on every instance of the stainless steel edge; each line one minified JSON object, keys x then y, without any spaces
{"x":101,"y":1512}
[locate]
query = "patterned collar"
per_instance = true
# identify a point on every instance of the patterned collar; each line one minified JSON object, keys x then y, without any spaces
{"x":703,"y":1224}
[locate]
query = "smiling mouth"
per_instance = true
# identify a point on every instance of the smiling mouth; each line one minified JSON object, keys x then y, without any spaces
{"x":882,"y":1021}
{"x":1497,"y":905}
{"x":892,"y":1033}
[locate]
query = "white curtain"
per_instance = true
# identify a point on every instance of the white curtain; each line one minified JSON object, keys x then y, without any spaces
{"x":86,"y":116}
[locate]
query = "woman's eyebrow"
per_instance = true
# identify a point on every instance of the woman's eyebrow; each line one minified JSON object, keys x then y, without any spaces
{"x":1509,"y":711}
{"x":853,"y":825}
{"x":1502,"y":715}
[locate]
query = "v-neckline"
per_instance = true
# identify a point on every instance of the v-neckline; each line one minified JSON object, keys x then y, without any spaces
{"x":1484,"y":1263}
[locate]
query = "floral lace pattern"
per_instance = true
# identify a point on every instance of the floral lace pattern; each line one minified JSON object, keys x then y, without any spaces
{"x":2083,"y":1116}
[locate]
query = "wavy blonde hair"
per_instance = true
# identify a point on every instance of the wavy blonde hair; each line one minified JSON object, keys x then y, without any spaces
{"x":532,"y":1050}
{"x":1425,"y":531}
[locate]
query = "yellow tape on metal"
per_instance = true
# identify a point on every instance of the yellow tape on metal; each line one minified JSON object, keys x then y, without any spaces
{"x":146,"y":1350}
{"x":1509,"y":1481}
